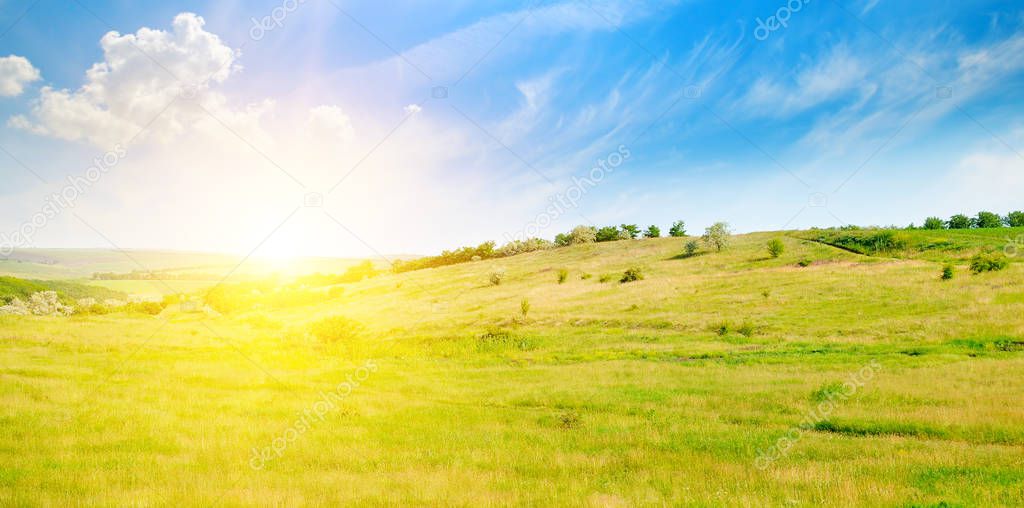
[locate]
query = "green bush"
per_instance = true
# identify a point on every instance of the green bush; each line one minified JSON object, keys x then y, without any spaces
{"x":631,"y":275}
{"x":335,"y":328}
{"x":776,"y":248}
{"x":606,"y":278}
{"x":988,"y":262}
{"x":608,"y":234}
{"x":692,"y":247}
{"x":563,"y":275}
{"x":1015,"y":219}
{"x":947,"y":272}
{"x":934,"y":223}
{"x":585,"y":276}
{"x":652,"y":232}
{"x":959,"y":221}
{"x":524,"y":307}
{"x":805,"y":262}
{"x":987,"y":220}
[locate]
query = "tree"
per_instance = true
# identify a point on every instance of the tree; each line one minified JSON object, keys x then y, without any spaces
{"x":717,"y":236}
{"x":776,"y":247}
{"x":959,"y":221}
{"x":652,"y":232}
{"x":1015,"y":219}
{"x":582,"y":234}
{"x":631,"y":230}
{"x":608,"y":234}
{"x":678,"y":229}
{"x":987,"y":220}
{"x":563,"y":240}
{"x":934,"y":223}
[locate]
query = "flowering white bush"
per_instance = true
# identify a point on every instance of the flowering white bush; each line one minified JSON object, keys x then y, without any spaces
{"x":15,"y":308}
{"x":47,"y":303}
{"x":43,"y":303}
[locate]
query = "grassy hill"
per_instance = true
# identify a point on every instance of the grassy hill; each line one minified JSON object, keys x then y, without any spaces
{"x":726,"y":378}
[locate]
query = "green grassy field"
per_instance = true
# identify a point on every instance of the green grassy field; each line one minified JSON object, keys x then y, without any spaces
{"x":717,"y":380}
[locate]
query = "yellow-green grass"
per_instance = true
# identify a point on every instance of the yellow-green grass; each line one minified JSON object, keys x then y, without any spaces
{"x":604,"y":394}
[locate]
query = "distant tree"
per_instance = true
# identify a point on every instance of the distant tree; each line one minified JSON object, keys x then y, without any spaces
{"x":987,"y":220}
{"x":652,"y":232}
{"x":717,"y":236}
{"x":959,"y":221}
{"x":582,"y":234}
{"x":631,"y":230}
{"x":1015,"y":219}
{"x":563,"y":240}
{"x":776,"y":247}
{"x":678,"y":229}
{"x":934,"y":223}
{"x":608,"y":234}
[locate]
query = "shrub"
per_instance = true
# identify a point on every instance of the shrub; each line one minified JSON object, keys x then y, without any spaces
{"x":717,"y":236}
{"x":776,"y":248}
{"x":524,"y":307}
{"x":606,"y":278}
{"x":947,"y":272}
{"x":631,"y":230}
{"x":678,"y":229}
{"x":747,"y":329}
{"x":631,"y":275}
{"x":496,"y":277}
{"x":805,"y":262}
{"x":959,"y":221}
{"x":582,"y":234}
{"x":652,"y":232}
{"x":988,"y":262}
{"x":608,"y":234}
{"x":934,"y":223}
{"x":722,"y":328}
{"x":569,"y":420}
{"x":523,"y":246}
{"x":987,"y":220}
{"x":585,"y":276}
{"x":563,"y":275}
{"x":692,"y":247}
{"x":335,"y":328}
{"x":1015,"y":219}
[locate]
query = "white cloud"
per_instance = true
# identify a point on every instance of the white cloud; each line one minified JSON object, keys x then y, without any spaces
{"x":832,"y":76}
{"x":412,"y":109}
{"x":15,"y":73}
{"x":143,"y":75}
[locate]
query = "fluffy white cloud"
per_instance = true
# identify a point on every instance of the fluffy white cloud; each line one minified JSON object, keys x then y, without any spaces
{"x":143,"y":75}
{"x":15,"y":73}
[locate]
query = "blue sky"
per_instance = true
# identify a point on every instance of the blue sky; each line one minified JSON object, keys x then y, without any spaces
{"x":218,"y":131}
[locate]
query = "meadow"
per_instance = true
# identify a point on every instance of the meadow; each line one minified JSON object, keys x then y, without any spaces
{"x":822,"y":377}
